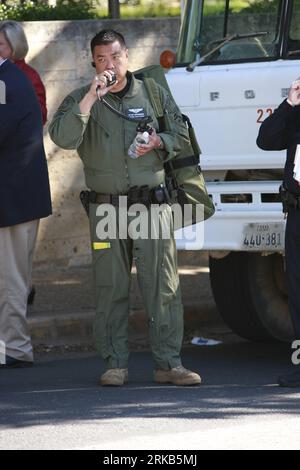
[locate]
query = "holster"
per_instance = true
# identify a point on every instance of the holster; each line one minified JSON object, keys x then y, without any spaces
{"x":85,"y":200}
{"x":288,"y":199}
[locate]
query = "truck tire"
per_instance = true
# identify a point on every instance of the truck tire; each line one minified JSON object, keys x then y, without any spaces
{"x":250,"y":293}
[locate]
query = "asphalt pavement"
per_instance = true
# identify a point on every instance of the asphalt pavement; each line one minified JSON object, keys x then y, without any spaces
{"x":58,"y":403}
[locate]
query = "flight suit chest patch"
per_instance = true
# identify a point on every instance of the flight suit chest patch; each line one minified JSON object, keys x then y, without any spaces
{"x":136,"y":113}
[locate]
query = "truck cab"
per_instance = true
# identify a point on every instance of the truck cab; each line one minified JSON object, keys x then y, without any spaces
{"x":235,"y":62}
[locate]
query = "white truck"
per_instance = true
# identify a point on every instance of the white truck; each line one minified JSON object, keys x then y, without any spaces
{"x":234,"y":64}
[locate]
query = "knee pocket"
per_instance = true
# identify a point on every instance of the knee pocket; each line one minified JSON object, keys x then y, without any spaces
{"x":169,"y":280}
{"x":103,"y":266}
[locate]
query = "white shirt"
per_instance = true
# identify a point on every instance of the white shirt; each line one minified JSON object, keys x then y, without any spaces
{"x":2,"y":61}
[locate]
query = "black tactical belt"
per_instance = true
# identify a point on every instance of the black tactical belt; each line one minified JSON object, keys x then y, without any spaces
{"x":96,"y":198}
{"x":136,"y":195}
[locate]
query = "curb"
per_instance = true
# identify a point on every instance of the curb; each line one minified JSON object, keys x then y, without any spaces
{"x":77,"y":327}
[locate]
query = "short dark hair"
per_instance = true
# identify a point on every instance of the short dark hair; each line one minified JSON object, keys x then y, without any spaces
{"x":107,"y":36}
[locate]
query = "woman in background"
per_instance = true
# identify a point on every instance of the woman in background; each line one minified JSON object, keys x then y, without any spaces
{"x":14,"y":46}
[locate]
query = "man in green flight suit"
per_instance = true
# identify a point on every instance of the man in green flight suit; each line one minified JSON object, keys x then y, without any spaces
{"x":102,"y":140}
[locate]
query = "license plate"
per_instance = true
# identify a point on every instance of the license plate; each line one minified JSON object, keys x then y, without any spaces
{"x":268,"y":236}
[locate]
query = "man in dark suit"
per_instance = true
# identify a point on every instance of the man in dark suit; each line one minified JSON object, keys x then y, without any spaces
{"x":24,"y":199}
{"x":280,"y":131}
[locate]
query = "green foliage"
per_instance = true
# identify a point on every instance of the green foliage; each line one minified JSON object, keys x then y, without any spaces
{"x":241,"y":6}
{"x":83,"y":9}
{"x":30,"y":11}
{"x":263,"y":6}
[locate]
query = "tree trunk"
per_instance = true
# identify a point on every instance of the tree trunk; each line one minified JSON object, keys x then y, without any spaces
{"x":113,"y":8}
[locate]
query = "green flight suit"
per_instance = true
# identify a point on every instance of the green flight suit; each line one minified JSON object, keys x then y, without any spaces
{"x":102,"y":140}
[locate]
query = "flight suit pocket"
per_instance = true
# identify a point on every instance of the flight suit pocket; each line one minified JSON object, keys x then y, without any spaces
{"x":102,"y":263}
{"x":169,"y":273}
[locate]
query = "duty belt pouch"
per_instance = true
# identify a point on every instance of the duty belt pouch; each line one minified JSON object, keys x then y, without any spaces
{"x":184,"y":178}
{"x":133,"y":195}
{"x":145,"y":195}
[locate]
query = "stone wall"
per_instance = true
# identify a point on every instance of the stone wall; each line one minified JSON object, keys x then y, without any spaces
{"x":59,"y":50}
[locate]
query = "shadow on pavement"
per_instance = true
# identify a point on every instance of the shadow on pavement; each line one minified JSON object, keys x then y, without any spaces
{"x":238,"y":380}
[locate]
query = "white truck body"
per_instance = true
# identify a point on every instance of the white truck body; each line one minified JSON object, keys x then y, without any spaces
{"x":224,"y":102}
{"x":235,"y":64}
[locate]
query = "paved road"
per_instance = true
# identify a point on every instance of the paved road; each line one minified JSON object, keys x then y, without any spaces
{"x":58,"y":404}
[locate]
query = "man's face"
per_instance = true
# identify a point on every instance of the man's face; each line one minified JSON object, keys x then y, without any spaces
{"x":5,"y":49}
{"x":111,"y":57}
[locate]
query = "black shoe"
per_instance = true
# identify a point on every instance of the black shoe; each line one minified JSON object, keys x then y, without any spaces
{"x":290,"y":380}
{"x":12,"y":363}
{"x":31,"y":296}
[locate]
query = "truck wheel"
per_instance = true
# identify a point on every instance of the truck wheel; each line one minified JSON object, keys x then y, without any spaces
{"x":250,"y":293}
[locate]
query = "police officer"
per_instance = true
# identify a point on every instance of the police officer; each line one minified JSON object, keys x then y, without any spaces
{"x":281,"y":131}
{"x":102,"y":140}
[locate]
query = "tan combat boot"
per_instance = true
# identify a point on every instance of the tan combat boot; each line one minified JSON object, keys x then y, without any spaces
{"x":177,"y":376}
{"x":114,"y":377}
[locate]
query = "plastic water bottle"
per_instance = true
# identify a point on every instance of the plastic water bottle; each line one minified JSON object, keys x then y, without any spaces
{"x":140,"y":138}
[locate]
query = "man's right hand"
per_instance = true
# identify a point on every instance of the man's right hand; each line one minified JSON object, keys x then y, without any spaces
{"x":97,"y":89}
{"x":294,"y":93}
{"x":99,"y":84}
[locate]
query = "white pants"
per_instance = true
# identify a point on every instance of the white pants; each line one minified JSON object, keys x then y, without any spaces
{"x":16,"y":256}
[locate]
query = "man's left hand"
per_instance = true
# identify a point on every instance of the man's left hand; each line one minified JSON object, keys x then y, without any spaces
{"x":154,"y":143}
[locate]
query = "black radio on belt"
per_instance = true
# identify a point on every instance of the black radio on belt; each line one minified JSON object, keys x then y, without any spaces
{"x":159,"y":195}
